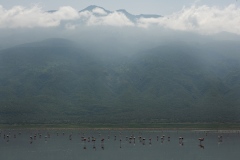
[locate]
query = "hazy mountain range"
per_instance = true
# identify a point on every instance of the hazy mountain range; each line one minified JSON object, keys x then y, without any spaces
{"x":99,"y":12}
{"x":57,"y":81}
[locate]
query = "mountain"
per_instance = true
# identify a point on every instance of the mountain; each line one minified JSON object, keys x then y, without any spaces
{"x":56,"y":81}
{"x":91,"y":8}
{"x":96,"y":15}
{"x":127,"y":14}
{"x":134,"y":18}
{"x":100,"y":11}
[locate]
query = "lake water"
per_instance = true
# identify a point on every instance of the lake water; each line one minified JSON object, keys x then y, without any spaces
{"x":78,"y":145}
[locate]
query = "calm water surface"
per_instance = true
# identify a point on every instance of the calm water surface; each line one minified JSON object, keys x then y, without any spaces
{"x":118,"y":145}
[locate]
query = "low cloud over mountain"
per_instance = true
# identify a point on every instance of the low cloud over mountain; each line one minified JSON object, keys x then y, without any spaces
{"x":199,"y":19}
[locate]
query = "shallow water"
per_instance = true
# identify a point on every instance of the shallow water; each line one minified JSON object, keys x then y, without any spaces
{"x":53,"y":144}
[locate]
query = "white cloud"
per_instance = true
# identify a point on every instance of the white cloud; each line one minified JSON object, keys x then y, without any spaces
{"x":99,"y":11}
{"x":201,"y":19}
{"x":20,"y":17}
{"x":84,"y":16}
{"x":112,"y":19}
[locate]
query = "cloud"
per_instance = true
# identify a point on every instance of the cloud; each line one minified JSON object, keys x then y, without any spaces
{"x":99,"y":11}
{"x":20,"y":17}
{"x":112,"y":19}
{"x":200,"y":19}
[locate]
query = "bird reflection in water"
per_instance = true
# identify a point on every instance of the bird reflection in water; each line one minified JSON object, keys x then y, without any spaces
{"x":120,"y":143}
{"x":201,"y":146}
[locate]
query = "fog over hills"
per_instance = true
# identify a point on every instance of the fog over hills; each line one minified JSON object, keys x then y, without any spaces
{"x":57,"y":81}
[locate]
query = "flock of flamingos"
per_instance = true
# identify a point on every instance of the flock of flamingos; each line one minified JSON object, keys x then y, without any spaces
{"x":99,"y":137}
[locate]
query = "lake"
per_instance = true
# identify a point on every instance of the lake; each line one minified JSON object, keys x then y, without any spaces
{"x":76,"y":144}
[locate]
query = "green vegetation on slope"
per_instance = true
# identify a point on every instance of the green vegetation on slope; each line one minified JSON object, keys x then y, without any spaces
{"x":55,"y":81}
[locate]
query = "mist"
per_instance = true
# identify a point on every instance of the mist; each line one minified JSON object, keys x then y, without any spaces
{"x":116,"y":31}
{"x":97,"y":61}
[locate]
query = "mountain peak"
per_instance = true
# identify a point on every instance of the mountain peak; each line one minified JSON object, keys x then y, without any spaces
{"x":124,"y":11}
{"x":101,"y":12}
{"x":92,"y":7}
{"x":127,"y":14}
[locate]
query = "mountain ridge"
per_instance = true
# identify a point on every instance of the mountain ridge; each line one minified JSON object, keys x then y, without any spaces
{"x":92,"y":7}
{"x":133,"y":18}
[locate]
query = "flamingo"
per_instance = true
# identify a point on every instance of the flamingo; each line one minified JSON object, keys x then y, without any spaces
{"x":200,"y":140}
{"x":31,"y":139}
{"x":143,"y":139}
{"x":130,"y":139}
{"x":8,"y":138}
{"x":120,"y":143}
{"x":140,"y":138}
{"x":220,"y":138}
{"x":162,"y":139}
{"x":102,"y":144}
{"x":94,"y":140}
{"x":181,"y":141}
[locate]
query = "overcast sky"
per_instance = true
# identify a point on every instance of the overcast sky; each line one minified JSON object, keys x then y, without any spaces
{"x":162,"y":7}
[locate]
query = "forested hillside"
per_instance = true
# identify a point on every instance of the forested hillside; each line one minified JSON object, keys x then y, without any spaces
{"x":56,"y":81}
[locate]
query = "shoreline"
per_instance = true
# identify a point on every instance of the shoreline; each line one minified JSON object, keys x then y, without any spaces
{"x":162,"y":126}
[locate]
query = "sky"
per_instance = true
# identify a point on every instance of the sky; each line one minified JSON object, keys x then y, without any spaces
{"x":161,"y":7}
